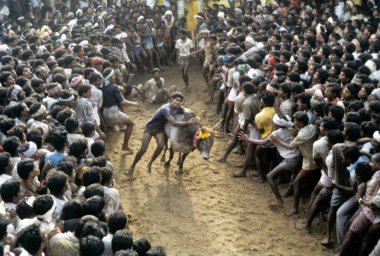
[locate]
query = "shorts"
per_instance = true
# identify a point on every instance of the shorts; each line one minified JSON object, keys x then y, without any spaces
{"x":168,"y":39}
{"x":183,"y":61}
{"x":327,"y":192}
{"x":114,"y":116}
{"x":338,"y":198}
{"x":151,"y":131}
{"x":290,"y":164}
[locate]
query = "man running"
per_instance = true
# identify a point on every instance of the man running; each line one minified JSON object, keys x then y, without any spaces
{"x":184,"y":46}
{"x":155,"y":127}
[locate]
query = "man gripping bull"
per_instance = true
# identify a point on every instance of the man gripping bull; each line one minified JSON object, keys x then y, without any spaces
{"x":155,"y":127}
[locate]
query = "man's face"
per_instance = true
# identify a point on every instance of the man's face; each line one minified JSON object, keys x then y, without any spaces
{"x":177,"y":102}
{"x":156,"y":75}
{"x":26,"y":72}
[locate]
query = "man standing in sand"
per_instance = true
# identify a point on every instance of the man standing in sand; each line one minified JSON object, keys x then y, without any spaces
{"x":155,"y":127}
{"x":184,"y":46}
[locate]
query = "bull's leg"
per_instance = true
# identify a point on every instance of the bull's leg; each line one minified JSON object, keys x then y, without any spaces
{"x":164,"y":153}
{"x":179,"y":158}
{"x":180,"y":170}
{"x":171,"y":155}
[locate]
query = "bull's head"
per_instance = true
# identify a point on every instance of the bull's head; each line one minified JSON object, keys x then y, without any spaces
{"x":203,"y":141}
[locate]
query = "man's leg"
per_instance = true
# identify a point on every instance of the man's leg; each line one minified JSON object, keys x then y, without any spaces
{"x":185,"y":75}
{"x":297,"y":191}
{"x":127,"y":134}
{"x":160,"y":140}
{"x":314,"y":209}
{"x":270,"y":177}
{"x":330,"y":223}
{"x":144,"y":146}
{"x":343,"y":215}
{"x":247,"y":160}
{"x":370,"y":240}
{"x":231,"y":145}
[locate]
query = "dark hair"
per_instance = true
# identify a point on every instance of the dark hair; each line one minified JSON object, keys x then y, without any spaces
{"x":93,"y":190}
{"x":248,"y":88}
{"x":56,"y":183}
{"x":337,"y":112}
{"x":329,"y":124}
{"x":98,"y":148}
{"x":71,"y":124}
{"x":25,"y":167}
{"x":177,"y":95}
{"x":9,"y":189}
{"x":122,"y":240}
{"x":66,"y":167}
{"x":352,"y":131}
{"x":91,"y":176}
{"x":88,"y":128}
{"x":268,"y":99}
{"x":94,"y":206}
{"x":91,"y":246}
{"x":24,"y":210}
{"x":141,"y":245}
{"x":4,"y":161}
{"x":301,"y":117}
{"x":353,"y":153}
{"x":72,"y":210}
{"x":364,"y":171}
{"x":353,"y":117}
{"x":368,"y":128}
{"x":156,"y":251}
{"x":84,"y":89}
{"x":57,"y":138}
{"x":11,"y":145}
{"x":117,"y":220}
{"x":78,"y":148}
{"x":42,"y":204}
{"x":31,"y":239}
{"x":3,"y":226}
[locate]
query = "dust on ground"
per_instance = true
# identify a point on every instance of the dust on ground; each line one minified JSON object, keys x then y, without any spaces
{"x":205,"y":211}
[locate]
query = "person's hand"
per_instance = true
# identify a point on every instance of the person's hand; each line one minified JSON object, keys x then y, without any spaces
{"x":357,"y":197}
{"x":135,"y":103}
{"x":243,"y":136}
{"x":193,"y":121}
{"x":273,"y":138}
{"x":102,"y":135}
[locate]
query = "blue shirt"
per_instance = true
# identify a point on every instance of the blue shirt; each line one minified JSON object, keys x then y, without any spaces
{"x":351,"y":168}
{"x":160,"y":117}
{"x":54,"y":157}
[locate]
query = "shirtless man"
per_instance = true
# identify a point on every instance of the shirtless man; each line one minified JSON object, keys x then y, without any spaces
{"x":155,"y":127}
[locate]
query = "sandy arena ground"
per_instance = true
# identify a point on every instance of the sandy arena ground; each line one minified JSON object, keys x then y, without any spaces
{"x":205,"y":211}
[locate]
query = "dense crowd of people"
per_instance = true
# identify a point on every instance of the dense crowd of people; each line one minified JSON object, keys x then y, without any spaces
{"x":295,"y":79}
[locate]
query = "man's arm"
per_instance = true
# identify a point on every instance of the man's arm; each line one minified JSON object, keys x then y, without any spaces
{"x":279,"y":142}
{"x":176,"y":123}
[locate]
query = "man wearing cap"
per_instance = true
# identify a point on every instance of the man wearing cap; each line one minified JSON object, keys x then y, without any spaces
{"x":155,"y":127}
{"x":154,"y":89}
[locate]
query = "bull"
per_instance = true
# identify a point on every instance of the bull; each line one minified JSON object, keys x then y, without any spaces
{"x":186,"y":139}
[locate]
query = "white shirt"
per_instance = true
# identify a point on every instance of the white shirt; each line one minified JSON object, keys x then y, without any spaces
{"x":286,"y":136}
{"x":107,"y":241}
{"x":184,"y":47}
{"x":113,"y":199}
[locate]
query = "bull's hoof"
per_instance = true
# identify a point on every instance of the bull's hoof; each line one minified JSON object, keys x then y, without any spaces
{"x":166,"y":164}
{"x":180,"y":172}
